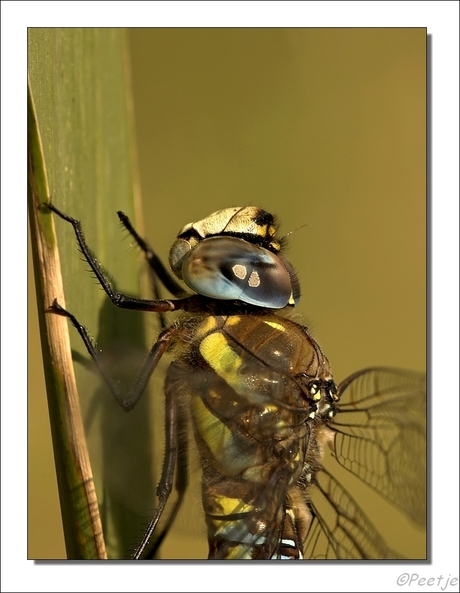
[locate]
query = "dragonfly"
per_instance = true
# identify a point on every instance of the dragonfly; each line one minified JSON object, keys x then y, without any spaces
{"x":255,"y":389}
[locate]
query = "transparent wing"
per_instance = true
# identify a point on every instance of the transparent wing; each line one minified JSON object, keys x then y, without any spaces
{"x":339,"y":530}
{"x":380,"y":438}
{"x":381,"y":435}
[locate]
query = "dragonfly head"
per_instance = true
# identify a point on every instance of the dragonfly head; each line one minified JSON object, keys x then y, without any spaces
{"x":234,"y":254}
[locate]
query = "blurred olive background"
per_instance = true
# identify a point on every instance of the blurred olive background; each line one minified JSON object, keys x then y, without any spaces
{"x":324,"y":127}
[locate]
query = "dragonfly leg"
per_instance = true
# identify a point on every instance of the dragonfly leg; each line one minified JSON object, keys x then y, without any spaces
{"x":156,"y":352}
{"x":181,"y":481}
{"x":156,"y":265}
{"x":173,"y":444}
{"x":119,"y":299}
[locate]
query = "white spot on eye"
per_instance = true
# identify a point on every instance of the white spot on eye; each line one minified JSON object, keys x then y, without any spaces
{"x":254,"y":279}
{"x":312,"y":415}
{"x":239,"y":271}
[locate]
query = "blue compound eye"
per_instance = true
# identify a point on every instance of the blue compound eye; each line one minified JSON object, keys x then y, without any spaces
{"x":228,"y":268}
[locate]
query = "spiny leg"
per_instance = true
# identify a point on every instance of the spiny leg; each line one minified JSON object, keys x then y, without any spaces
{"x":156,"y":265}
{"x":147,"y":368}
{"x":176,"y":447}
{"x":172,"y":455}
{"x":119,"y":299}
{"x":157,"y":271}
{"x":172,"y":442}
{"x":181,"y":480}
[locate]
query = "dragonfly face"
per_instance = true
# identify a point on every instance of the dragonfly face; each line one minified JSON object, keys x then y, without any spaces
{"x":264,"y":409}
{"x":234,"y":254}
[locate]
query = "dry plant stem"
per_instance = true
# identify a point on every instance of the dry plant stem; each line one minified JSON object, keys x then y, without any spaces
{"x":79,"y":507}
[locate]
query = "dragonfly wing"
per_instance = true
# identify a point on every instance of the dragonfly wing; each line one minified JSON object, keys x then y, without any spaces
{"x":339,"y":529}
{"x":380,"y":435}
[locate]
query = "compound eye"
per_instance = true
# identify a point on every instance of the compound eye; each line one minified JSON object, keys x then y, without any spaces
{"x":179,"y":249}
{"x":229,"y":268}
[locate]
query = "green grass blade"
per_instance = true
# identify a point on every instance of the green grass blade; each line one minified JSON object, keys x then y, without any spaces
{"x":78,"y":85}
{"x":81,"y":520}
